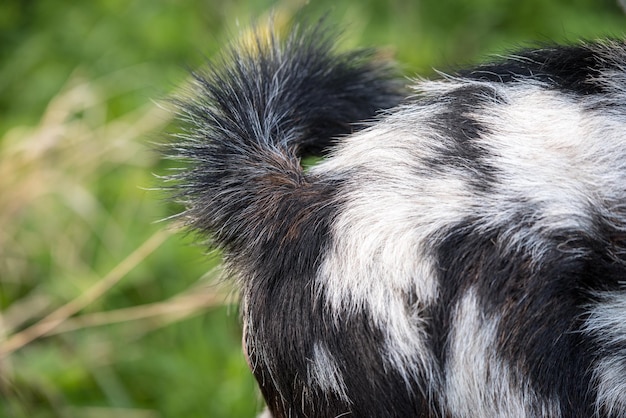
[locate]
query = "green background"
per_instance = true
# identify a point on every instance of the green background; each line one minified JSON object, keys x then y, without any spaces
{"x":144,"y":329}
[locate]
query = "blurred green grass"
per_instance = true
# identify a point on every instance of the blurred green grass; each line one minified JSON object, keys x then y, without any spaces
{"x":104,"y":310}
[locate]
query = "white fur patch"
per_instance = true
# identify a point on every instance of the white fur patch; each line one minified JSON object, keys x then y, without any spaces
{"x":378,"y":269}
{"x":607,"y":323}
{"x":324,"y":373}
{"x":547,"y":148}
{"x":478,"y":383}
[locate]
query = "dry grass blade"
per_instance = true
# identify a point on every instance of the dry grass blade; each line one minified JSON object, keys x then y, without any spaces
{"x":171,"y":310}
{"x":56,"y":318}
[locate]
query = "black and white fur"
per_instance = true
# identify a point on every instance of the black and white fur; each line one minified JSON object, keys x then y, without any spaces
{"x":463,"y":254}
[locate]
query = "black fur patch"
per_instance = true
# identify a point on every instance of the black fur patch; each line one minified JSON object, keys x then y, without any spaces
{"x":573,"y":69}
{"x":288,"y":338}
{"x":458,"y":132}
{"x":569,"y":68}
{"x":541,"y":305}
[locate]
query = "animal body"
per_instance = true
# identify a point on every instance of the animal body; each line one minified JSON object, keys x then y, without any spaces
{"x":459,"y":252}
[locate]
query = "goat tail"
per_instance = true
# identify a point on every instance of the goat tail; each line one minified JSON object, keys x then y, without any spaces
{"x":253,"y":115}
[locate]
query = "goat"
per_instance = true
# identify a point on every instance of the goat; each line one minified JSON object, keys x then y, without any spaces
{"x":460,"y":250}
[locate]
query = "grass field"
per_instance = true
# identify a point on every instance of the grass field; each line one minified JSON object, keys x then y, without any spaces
{"x":105,"y":310}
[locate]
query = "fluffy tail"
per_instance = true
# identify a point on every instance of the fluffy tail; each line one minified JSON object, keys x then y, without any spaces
{"x":265,"y":104}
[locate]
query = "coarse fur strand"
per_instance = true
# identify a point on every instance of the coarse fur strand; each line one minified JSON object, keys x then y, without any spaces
{"x":459,"y":252}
